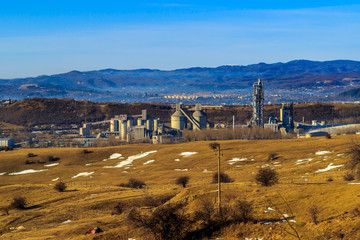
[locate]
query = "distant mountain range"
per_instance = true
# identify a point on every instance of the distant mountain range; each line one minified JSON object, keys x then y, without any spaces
{"x":296,"y":80}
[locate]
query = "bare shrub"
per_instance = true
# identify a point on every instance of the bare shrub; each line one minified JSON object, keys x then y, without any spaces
{"x":273,"y":156}
{"x":356,"y":211}
{"x":51,"y":158}
{"x":183,"y":181}
{"x":60,"y":186}
{"x":167,"y":222}
{"x":155,"y":201}
{"x":354,"y":153}
{"x":31,"y":155}
{"x":214,"y":145}
{"x":224,"y":178}
{"x":330,"y":179}
{"x":205,"y":212}
{"x":85,"y":151}
{"x":5,"y":210}
{"x":267,"y":176}
{"x":119,"y":208}
{"x":133,"y":183}
{"x":242,"y":211}
{"x":29,"y":162}
{"x":328,"y":136}
{"x":18,"y":203}
{"x":348,"y":176}
{"x":313,"y":212}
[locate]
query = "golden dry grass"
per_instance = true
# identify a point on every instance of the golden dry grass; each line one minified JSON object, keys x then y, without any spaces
{"x":89,"y":201}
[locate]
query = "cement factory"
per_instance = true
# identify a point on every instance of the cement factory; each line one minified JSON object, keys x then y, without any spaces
{"x":144,"y":128}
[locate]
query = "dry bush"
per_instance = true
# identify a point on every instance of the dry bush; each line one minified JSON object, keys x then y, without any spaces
{"x":328,"y":136}
{"x":119,"y":208}
{"x":224,"y":178}
{"x":31,"y":155}
{"x":29,"y":162}
{"x":313,"y":212}
{"x":85,"y":151}
{"x":267,"y":177}
{"x":155,"y":201}
{"x":272,"y":156}
{"x":183,"y":181}
{"x":60,"y":186}
{"x":205,"y":212}
{"x":242,"y":211}
{"x":354,"y":153}
{"x":330,"y":179}
{"x":5,"y":210}
{"x":167,"y":222}
{"x":348,"y":176}
{"x":356,"y":211}
{"x":18,"y":203}
{"x":133,"y":183}
{"x":51,"y":158}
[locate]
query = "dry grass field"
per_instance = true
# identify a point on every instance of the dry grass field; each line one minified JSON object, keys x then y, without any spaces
{"x":304,"y":167}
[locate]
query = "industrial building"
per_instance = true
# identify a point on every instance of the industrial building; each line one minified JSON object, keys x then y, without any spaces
{"x":180,"y":119}
{"x":7,"y":142}
{"x":258,"y":105}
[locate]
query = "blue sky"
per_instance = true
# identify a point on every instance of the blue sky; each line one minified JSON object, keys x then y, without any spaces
{"x":48,"y":37}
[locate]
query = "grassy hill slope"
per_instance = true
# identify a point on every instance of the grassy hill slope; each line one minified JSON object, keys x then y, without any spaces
{"x":90,"y":200}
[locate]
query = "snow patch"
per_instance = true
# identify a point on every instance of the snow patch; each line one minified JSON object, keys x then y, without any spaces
{"x":51,"y":165}
{"x":115,"y":156}
{"x":329,"y":167}
{"x":3,"y":173}
{"x":234,"y":160}
{"x":301,"y":161}
{"x":187,"y":154}
{"x":150,"y":161}
{"x":177,"y":160}
{"x":207,"y":171}
{"x":27,"y":171}
{"x":88,"y":164}
{"x":130,"y":159}
{"x":55,"y":179}
{"x":270,"y":209}
{"x":354,"y":183}
{"x":322,"y":152}
{"x":83,"y":174}
{"x":67,"y":221}
{"x":181,"y":170}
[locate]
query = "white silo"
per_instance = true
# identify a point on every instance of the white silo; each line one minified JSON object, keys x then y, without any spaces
{"x":199,"y":117}
{"x":178,"y":119}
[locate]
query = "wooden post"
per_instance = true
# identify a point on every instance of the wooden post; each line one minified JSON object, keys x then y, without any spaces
{"x":219,"y":182}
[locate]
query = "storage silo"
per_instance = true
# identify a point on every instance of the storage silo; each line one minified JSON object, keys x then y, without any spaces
{"x":149,"y":126}
{"x":114,"y":125}
{"x":123,"y":130}
{"x":178,"y":119}
{"x":199,"y":117}
{"x":156,"y":125}
{"x":139,"y":122}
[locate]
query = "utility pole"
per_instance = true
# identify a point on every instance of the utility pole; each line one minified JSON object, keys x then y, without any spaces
{"x":219,"y":182}
{"x":216,"y":147}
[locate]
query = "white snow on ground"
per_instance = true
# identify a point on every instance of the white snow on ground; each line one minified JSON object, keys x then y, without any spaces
{"x":83,"y":174}
{"x":150,"y":161}
{"x":292,"y":220}
{"x":234,"y":160}
{"x":67,"y":221}
{"x":88,"y":164}
{"x":3,"y":173}
{"x":177,"y":160}
{"x":340,"y":154}
{"x":130,"y":159}
{"x":301,"y":161}
{"x":285,"y":215}
{"x":181,"y":170}
{"x":187,"y":154}
{"x":270,"y":209}
{"x":27,"y":171}
{"x":329,"y":167}
{"x":115,"y":156}
{"x":322,"y":152}
{"x":55,"y":179}
{"x":354,"y":183}
{"x":207,"y":171}
{"x":51,"y":165}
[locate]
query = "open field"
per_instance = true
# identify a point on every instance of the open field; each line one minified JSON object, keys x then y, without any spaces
{"x":304,"y":167}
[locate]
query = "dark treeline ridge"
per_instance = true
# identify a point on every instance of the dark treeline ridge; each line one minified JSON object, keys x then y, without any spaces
{"x":63,"y":111}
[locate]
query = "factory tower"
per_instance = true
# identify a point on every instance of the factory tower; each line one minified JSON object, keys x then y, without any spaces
{"x":258,"y":105}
